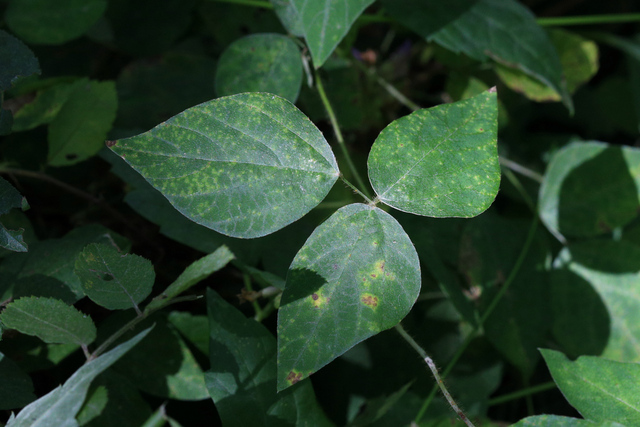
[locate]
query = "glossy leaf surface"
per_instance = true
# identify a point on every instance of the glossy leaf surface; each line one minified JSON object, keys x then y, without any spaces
{"x":114,"y":280}
{"x":244,"y":165}
{"x":45,"y":22}
{"x":611,"y":270}
{"x":357,"y":274}
{"x":260,"y":63}
{"x":50,"y":320}
{"x":503,"y":30}
{"x":243,"y":374}
{"x":590,"y":188}
{"x":323,"y":23}
{"x":600,"y":389}
{"x":17,"y":60}
{"x":59,"y":407}
{"x":441,"y":161}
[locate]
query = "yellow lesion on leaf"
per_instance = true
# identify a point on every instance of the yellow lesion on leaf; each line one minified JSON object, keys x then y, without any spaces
{"x":369,"y":300}
{"x":293,"y":377}
{"x":317,"y":299}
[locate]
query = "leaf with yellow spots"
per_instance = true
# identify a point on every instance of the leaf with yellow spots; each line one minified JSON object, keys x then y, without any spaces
{"x":356,"y":275}
{"x":440,"y":161}
{"x":245,"y":165}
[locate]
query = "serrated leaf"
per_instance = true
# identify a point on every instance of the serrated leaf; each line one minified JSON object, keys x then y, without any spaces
{"x":50,"y":320}
{"x":323,"y":23}
{"x":17,"y":388}
{"x":503,"y":30}
{"x":45,"y":22}
{"x":440,"y":161}
{"x":244,"y":165}
{"x":356,"y":275}
{"x":59,"y":407}
{"x":260,"y":63}
{"x":600,"y":389}
{"x":10,"y":198}
{"x":80,"y":127}
{"x":590,"y":188}
{"x":243,"y":373}
{"x":114,"y":280}
{"x":612,"y":270}
{"x":193,"y":274}
{"x":16,"y":59}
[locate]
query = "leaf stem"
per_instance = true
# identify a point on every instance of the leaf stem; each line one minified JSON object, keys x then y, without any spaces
{"x":434,"y":371}
{"x":588,"y":19}
{"x":399,"y":96}
{"x":354,"y":188}
{"x":340,"y":139}
{"x":249,"y":287}
{"x":516,"y":167}
{"x":522,"y":393}
{"x":485,"y":315}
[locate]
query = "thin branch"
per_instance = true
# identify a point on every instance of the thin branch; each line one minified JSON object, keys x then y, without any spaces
{"x":516,"y":167}
{"x":434,"y":371}
{"x":399,"y":96}
{"x":355,"y":189}
{"x":588,"y":19}
{"x":522,"y":393}
{"x":339,"y":137}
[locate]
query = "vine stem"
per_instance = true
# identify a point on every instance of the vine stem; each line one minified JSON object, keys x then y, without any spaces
{"x":340,"y":139}
{"x":434,"y":371}
{"x":485,"y":315}
{"x":516,"y":167}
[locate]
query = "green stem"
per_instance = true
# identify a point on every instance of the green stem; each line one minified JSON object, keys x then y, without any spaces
{"x":132,"y":323}
{"x":399,"y":96}
{"x":247,"y":285}
{"x":354,"y":188}
{"x":516,"y":167}
{"x":588,"y":19}
{"x":513,"y":179}
{"x":434,"y":371}
{"x":339,"y":137}
{"x":485,"y":315}
{"x":522,"y":393}
{"x":255,"y":3}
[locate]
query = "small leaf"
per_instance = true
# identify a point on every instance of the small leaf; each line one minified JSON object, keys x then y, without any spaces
{"x":486,"y":29}
{"x":323,"y":23}
{"x":59,"y":407}
{"x":357,"y":274}
{"x":590,"y":188}
{"x":114,"y":281}
{"x":243,"y":374}
{"x":193,"y":274}
{"x":600,"y":389}
{"x":80,"y":127}
{"x":50,"y":320}
{"x":244,"y":165}
{"x":17,"y":388}
{"x":10,"y":198}
{"x":16,"y":59}
{"x":260,"y":63}
{"x":440,"y":161}
{"x":44,"y":22}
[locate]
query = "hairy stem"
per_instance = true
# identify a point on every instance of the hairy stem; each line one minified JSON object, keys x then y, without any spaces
{"x":340,"y":139}
{"x":485,"y":315}
{"x":355,"y":189}
{"x":434,"y":371}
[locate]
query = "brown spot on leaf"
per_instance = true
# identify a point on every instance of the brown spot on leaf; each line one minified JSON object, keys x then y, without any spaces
{"x":111,"y":143}
{"x":294,"y":377}
{"x":315,"y":297}
{"x":370,"y":300}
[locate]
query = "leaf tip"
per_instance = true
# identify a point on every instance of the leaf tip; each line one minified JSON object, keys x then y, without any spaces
{"x":494,"y":89}
{"x":110,"y":143}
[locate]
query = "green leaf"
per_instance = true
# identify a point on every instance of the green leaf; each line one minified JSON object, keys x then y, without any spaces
{"x":260,"y":63}
{"x":175,"y":375}
{"x":600,"y":389}
{"x":16,"y":59}
{"x":113,"y":280}
{"x":196,"y":272}
{"x":579,"y":59}
{"x":378,"y":407}
{"x":80,"y":127}
{"x":6,"y":122}
{"x":50,"y":320}
{"x":440,"y":161}
{"x":195,"y":328}
{"x":612,"y":269}
{"x":59,"y":407}
{"x":243,"y":374}
{"x":590,"y":188}
{"x":485,"y":29}
{"x":244,"y":165}
{"x":48,"y":101}
{"x":10,"y":198}
{"x":17,"y":388}
{"x":322,"y":23}
{"x":558,"y":421}
{"x":358,"y":270}
{"x":45,"y":22}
